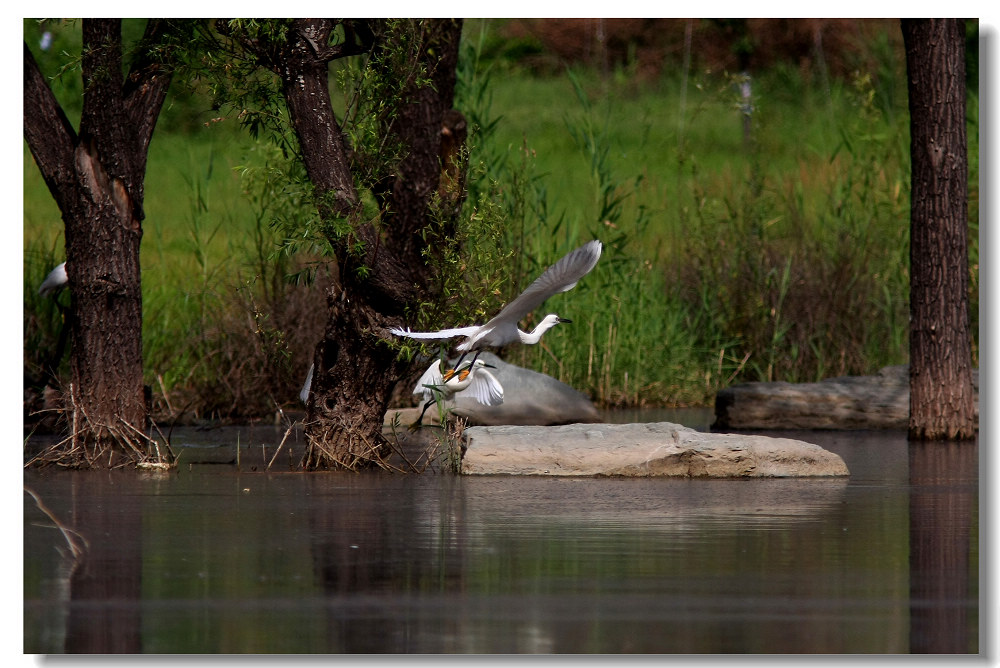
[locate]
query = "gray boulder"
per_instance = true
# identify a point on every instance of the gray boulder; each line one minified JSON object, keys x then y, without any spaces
{"x":641,"y":450}
{"x":881,"y":401}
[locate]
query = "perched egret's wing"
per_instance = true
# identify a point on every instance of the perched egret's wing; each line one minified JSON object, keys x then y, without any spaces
{"x":56,"y":279}
{"x":440,"y":334}
{"x":485,"y":388}
{"x":560,"y":277}
{"x":430,"y":379}
{"x":304,"y":392}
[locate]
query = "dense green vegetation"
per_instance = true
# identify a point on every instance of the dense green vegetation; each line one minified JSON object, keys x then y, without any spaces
{"x":740,"y":244}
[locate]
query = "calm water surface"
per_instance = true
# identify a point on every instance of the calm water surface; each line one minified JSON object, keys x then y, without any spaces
{"x":209,"y":559}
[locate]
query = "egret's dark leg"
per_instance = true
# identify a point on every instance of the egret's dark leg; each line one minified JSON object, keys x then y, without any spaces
{"x":416,"y":425}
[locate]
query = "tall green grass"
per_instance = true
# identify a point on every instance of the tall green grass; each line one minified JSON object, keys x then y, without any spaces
{"x":782,"y":254}
{"x":630,"y":342}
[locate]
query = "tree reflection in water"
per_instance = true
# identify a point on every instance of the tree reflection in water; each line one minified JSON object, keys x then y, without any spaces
{"x":943,"y":512}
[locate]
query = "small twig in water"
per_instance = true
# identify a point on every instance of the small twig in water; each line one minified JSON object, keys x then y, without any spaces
{"x":71,"y":536}
{"x":288,"y":432}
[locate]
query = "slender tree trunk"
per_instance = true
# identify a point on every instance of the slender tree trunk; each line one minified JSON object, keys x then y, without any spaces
{"x":96,"y":178}
{"x":942,"y":404}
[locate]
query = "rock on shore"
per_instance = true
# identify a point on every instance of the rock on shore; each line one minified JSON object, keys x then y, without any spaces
{"x":641,"y":450}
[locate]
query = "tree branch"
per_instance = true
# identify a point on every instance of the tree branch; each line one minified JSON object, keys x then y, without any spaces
{"x":146,"y":86}
{"x":358,"y":39}
{"x":144,"y":92}
{"x":49,"y":134}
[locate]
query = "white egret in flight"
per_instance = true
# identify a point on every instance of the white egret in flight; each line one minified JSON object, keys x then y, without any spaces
{"x":503,"y":329}
{"x":471,"y":377}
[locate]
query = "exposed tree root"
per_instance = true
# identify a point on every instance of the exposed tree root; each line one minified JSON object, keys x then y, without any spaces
{"x":344,"y":446}
{"x":93,"y":444}
{"x":341,"y":448}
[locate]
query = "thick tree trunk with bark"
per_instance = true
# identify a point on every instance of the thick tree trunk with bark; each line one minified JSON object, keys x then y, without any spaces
{"x":96,"y":178}
{"x":941,"y":393}
{"x":354,"y":371}
{"x":352,"y":382}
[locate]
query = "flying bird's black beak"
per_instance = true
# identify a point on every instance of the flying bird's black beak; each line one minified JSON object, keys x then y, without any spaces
{"x":565,"y":320}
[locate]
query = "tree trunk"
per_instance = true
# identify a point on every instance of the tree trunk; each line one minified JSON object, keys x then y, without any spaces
{"x":354,"y":372}
{"x":941,"y":393}
{"x":352,"y":382}
{"x":96,"y":178}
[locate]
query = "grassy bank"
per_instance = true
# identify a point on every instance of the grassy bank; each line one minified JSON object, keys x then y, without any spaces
{"x":742,"y":243}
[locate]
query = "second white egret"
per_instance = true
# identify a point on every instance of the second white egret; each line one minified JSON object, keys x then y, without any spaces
{"x":471,"y":378}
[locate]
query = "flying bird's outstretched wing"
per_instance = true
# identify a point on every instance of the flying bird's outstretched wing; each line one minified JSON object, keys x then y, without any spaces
{"x":560,"y":277}
{"x":502,"y":328}
{"x":440,"y":334}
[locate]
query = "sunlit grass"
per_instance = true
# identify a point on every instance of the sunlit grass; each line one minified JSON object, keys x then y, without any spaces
{"x":779,"y":254}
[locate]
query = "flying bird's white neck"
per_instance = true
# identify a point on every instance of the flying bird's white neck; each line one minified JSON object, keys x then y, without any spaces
{"x":530,"y":338}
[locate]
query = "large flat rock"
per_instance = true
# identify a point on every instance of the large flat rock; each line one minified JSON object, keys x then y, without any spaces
{"x":881,"y":401}
{"x":640,"y":450}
